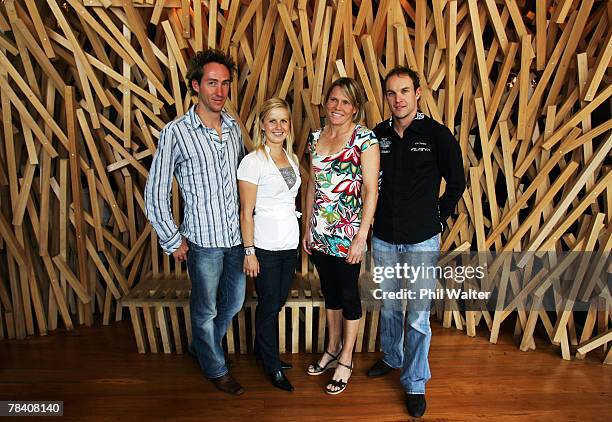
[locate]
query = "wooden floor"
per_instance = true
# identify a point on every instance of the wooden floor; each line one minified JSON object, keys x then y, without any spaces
{"x":98,"y":375}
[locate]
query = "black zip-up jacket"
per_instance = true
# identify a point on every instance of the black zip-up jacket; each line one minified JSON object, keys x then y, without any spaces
{"x":412,"y":167}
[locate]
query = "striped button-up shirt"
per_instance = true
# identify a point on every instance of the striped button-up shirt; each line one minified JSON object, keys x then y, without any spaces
{"x":205,"y":168}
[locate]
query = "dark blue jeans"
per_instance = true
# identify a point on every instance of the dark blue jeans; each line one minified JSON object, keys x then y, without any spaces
{"x":276,"y":271}
{"x":217,"y":294}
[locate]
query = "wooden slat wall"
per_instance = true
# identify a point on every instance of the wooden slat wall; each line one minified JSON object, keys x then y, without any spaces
{"x":86,"y":86}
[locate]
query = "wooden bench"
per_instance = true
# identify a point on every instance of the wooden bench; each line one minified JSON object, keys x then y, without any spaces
{"x":159,"y":309}
{"x":155,"y":299}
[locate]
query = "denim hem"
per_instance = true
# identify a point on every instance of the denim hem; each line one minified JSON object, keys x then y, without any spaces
{"x":394,"y":367}
{"x":218,"y":376}
{"x":415,"y":392}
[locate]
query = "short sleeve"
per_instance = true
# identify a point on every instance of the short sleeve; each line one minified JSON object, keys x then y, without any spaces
{"x":249,"y":169}
{"x":310,"y":144}
{"x":367,"y":139}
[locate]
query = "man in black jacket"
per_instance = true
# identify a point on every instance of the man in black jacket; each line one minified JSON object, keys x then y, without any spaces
{"x":416,"y":153}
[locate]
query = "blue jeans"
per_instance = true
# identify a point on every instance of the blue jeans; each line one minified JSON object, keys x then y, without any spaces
{"x":407,"y":350}
{"x":217,"y":294}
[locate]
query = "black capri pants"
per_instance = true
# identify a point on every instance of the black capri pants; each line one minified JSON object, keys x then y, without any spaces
{"x":339,"y":283}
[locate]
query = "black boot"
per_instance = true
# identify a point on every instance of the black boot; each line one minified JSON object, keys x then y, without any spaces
{"x":416,"y":404}
{"x":379,"y":369}
{"x":279,"y":380}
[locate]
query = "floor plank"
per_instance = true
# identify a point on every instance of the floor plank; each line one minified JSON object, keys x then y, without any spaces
{"x":99,"y":376}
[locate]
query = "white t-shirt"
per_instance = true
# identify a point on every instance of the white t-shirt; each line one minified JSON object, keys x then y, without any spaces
{"x":276,"y":224}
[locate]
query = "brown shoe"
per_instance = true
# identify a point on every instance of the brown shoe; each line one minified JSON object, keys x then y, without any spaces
{"x":227,"y":384}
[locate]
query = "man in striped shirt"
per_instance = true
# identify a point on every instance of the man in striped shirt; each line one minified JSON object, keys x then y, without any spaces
{"x":203,"y":149}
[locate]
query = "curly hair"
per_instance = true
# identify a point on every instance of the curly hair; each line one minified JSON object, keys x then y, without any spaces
{"x":195,"y":68}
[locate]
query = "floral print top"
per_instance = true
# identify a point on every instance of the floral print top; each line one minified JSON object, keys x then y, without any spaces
{"x":336,"y":214}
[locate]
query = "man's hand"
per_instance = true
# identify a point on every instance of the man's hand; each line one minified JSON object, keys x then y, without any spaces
{"x":180,"y":254}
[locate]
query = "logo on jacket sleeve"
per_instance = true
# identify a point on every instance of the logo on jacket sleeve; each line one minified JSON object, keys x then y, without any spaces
{"x":385,"y":145}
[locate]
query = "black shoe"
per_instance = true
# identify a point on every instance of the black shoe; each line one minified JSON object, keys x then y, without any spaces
{"x":416,"y":404}
{"x":316,"y":369}
{"x":379,"y":369}
{"x":279,"y":380}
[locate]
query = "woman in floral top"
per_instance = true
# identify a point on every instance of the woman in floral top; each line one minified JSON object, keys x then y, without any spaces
{"x":341,"y":200}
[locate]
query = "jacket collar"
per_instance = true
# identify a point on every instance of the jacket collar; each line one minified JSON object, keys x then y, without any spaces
{"x":418,"y":124}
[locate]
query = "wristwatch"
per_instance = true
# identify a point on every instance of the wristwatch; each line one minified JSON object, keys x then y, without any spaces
{"x":250,"y":250}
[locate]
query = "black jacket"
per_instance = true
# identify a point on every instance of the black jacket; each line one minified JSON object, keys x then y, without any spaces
{"x":412,"y":166}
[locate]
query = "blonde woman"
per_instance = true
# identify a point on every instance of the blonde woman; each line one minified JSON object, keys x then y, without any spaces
{"x":341,"y":200}
{"x":269,"y":179}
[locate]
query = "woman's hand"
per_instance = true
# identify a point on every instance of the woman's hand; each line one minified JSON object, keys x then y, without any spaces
{"x":306,"y":242}
{"x":251,"y":266}
{"x":357,"y":248}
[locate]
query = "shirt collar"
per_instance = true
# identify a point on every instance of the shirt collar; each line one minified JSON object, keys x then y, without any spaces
{"x":195,"y":121}
{"x":269,"y":157}
{"x":417,"y":124}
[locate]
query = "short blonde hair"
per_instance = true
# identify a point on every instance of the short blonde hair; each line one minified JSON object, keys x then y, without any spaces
{"x":259,"y":137}
{"x":353,"y":91}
